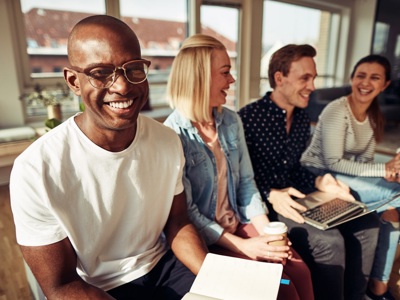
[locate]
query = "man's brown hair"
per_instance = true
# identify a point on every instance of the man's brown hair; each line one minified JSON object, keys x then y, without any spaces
{"x":282,"y":59}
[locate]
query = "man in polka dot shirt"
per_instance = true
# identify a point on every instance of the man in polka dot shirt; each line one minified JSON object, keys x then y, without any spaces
{"x":277,"y":131}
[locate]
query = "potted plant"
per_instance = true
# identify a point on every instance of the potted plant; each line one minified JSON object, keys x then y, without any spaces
{"x":50,"y":98}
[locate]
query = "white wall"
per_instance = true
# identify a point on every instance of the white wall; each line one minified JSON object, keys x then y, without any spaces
{"x":360,"y":36}
{"x":11,"y":113}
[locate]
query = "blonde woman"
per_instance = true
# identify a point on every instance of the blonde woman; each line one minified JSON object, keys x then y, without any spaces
{"x":223,"y":200}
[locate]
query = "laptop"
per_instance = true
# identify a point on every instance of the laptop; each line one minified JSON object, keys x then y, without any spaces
{"x":325,"y":210}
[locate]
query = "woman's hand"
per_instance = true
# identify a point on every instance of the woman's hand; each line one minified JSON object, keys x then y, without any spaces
{"x":392,"y":168}
{"x":258,"y":248}
{"x":329,"y":184}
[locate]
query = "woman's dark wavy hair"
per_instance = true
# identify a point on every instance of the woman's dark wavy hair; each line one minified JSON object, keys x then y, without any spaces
{"x":374,"y":112}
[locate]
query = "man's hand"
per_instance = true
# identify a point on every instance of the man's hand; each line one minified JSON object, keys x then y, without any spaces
{"x":329,"y":184}
{"x":284,"y":205}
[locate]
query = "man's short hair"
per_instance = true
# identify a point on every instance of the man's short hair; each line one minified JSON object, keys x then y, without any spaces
{"x":282,"y":59}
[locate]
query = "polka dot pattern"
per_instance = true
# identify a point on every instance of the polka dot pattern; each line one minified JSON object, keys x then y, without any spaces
{"x":275,"y":155}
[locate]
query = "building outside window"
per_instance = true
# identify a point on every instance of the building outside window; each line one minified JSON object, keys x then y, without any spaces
{"x":47,"y":26}
{"x":226,"y":30}
{"x":161,"y":26}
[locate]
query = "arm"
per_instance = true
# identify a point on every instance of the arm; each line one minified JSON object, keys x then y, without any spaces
{"x":256,"y":247}
{"x":337,"y":138}
{"x":54,"y":267}
{"x":209,"y":229}
{"x":392,"y":169}
{"x":285,"y":205}
{"x":183,"y":237}
{"x":249,"y":200}
{"x":328,"y":183}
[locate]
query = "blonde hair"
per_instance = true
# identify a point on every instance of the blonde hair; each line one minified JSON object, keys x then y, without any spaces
{"x":188,"y":88}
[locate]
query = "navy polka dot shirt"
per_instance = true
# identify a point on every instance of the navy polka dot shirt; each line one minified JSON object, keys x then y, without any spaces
{"x":275,"y":155}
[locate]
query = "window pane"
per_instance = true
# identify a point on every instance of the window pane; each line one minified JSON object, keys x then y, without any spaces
{"x":161,"y":27}
{"x":380,"y":38}
{"x":225,"y":29}
{"x":396,"y":63}
{"x":47,"y":26}
{"x":299,"y":25}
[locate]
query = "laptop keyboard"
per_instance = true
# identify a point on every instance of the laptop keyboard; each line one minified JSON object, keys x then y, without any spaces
{"x":329,"y":210}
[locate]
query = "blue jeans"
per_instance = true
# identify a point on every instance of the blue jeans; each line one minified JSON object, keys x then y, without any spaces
{"x":372,"y":191}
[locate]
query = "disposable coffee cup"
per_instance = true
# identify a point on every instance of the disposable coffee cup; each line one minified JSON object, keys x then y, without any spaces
{"x":277,"y":228}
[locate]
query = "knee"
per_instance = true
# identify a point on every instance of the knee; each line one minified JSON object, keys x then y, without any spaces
{"x":391,"y":215}
{"x":332,"y":248}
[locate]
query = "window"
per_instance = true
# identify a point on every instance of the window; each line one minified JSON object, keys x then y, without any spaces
{"x":222,"y":22}
{"x":380,"y":38}
{"x":285,"y":23}
{"x":161,"y":27}
{"x":47,"y":24}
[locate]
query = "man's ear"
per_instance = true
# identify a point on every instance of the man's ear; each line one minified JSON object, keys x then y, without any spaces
{"x":278,"y":76}
{"x":72,"y":80}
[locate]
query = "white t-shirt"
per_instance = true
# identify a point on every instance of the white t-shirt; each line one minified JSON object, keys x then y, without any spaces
{"x":112,"y":206}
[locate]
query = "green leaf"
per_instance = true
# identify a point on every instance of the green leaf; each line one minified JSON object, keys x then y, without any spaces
{"x":51,"y":123}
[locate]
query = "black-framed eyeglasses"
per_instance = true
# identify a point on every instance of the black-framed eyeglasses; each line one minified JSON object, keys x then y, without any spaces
{"x":104,"y":76}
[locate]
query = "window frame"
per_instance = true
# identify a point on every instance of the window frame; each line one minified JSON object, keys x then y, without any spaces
{"x":26,"y":81}
{"x":337,"y":41}
{"x":249,"y":42}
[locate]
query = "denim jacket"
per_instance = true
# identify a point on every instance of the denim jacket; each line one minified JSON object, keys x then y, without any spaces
{"x":200,"y":175}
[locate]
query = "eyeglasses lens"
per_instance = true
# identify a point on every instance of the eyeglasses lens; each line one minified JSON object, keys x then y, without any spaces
{"x":103,"y":77}
{"x":136,"y":72}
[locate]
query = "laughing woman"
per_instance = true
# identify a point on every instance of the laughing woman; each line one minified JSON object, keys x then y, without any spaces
{"x":344,"y":144}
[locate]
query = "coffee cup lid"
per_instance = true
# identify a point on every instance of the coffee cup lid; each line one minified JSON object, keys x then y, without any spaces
{"x":275,"y":228}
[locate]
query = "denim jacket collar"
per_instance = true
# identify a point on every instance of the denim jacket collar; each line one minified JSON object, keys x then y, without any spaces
{"x":185,"y":123}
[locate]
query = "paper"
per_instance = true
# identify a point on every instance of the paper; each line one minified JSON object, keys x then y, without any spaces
{"x":231,"y":278}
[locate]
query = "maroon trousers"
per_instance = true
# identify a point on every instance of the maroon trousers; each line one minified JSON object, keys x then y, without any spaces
{"x":300,"y":286}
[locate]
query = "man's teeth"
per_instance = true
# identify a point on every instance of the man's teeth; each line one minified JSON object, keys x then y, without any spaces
{"x":124,"y":104}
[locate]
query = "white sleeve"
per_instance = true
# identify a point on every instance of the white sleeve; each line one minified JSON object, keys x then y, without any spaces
{"x":34,"y":222}
{"x":333,"y":130}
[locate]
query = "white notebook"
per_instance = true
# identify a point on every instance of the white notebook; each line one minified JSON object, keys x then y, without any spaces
{"x":230,"y":278}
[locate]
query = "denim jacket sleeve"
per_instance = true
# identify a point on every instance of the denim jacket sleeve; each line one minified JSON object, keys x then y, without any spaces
{"x":249,"y":200}
{"x":210,"y":230}
{"x":197,"y":179}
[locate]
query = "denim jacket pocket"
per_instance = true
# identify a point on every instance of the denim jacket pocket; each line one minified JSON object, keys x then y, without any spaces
{"x":195,"y":158}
